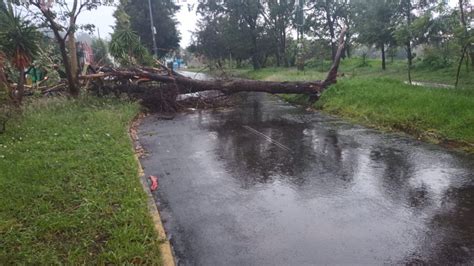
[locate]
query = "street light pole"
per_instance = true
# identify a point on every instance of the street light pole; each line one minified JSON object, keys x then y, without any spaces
{"x":153,"y":31}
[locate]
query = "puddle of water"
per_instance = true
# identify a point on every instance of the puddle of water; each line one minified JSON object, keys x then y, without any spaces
{"x":430,"y":85}
{"x":336,"y":194}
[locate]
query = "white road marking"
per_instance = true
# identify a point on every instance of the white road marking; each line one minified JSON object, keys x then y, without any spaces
{"x":258,"y":133}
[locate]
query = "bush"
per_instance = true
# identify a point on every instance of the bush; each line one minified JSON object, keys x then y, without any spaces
{"x":435,"y":59}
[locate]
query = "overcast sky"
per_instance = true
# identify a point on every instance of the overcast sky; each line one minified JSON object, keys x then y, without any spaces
{"x":103,"y":19}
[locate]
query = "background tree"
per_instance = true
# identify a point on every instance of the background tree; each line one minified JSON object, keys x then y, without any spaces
{"x":278,"y":16}
{"x":167,"y":33}
{"x":325,"y":19}
{"x":126,"y":47}
{"x":465,"y":36}
{"x":101,"y":52}
{"x":373,"y":21}
{"x":61,"y":18}
{"x":404,"y":33}
{"x":243,"y":29}
{"x":248,"y":12}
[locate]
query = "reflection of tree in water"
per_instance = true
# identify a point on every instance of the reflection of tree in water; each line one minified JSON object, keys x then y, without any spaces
{"x":334,"y":153}
{"x":260,"y":161}
{"x":398,"y":169}
{"x":449,"y":236}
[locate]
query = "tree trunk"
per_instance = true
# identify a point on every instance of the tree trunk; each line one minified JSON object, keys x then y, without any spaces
{"x":331,"y":32}
{"x":277,"y":55}
{"x":71,"y":44}
{"x":409,"y":55}
{"x":382,"y":48}
{"x":71,"y":78}
{"x":348,"y":50}
{"x":3,"y":78}
{"x":255,"y":54}
{"x":471,"y":53}
{"x":20,"y":89}
{"x":458,"y":72}
{"x":410,"y":61}
{"x":408,"y":44}
{"x":186,"y":85}
{"x":283,"y":48}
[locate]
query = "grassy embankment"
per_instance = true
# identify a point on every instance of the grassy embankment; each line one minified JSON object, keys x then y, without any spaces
{"x":69,"y":187}
{"x":380,"y":99}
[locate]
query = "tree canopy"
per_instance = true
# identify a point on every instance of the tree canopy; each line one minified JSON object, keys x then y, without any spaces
{"x":135,"y":15}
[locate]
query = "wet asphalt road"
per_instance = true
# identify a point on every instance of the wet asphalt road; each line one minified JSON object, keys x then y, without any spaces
{"x":266,"y":183}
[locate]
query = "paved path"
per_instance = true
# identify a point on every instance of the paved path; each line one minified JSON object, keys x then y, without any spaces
{"x":266,"y":183}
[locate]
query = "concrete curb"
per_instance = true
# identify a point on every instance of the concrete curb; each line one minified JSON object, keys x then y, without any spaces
{"x":164,"y":243}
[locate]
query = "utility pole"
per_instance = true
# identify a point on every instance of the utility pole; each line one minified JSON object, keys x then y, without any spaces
{"x":300,"y":36}
{"x":153,"y":31}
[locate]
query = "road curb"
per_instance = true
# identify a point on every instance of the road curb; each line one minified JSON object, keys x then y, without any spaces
{"x":164,"y":243}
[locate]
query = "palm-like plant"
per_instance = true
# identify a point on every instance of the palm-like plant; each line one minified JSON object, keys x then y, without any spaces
{"x":127,"y":48}
{"x":19,"y":41}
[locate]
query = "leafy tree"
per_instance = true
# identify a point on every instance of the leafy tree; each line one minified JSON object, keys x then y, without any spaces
{"x":374,"y":23}
{"x":405,"y":34}
{"x":61,"y":18}
{"x":437,"y":36}
{"x":211,"y":39}
{"x":126,"y":47}
{"x":136,"y":15}
{"x":326,"y":18}
{"x":465,"y":36}
{"x":19,"y":41}
{"x":245,"y":17}
{"x":278,"y":16}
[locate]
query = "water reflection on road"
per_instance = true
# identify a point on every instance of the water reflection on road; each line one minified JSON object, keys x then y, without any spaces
{"x":268,"y":183}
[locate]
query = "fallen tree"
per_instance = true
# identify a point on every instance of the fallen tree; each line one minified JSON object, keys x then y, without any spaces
{"x":131,"y":81}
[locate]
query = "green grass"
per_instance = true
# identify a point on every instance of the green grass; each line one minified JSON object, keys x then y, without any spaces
{"x":69,"y":187}
{"x":432,"y":114}
{"x":351,"y":68}
{"x":380,"y":99}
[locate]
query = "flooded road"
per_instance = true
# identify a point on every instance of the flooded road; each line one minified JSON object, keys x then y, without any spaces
{"x":266,"y":183}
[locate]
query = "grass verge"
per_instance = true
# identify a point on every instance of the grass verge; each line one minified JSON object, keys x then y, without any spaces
{"x":69,"y":186}
{"x":443,"y":116}
{"x":352,"y":69}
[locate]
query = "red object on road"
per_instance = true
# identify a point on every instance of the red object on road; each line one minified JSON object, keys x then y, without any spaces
{"x":154,"y":182}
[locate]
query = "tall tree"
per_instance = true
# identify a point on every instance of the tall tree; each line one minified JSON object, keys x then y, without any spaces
{"x":246,"y":16}
{"x":167,"y":35}
{"x":404,"y":34}
{"x":249,"y":11}
{"x":61,"y":18}
{"x":278,"y":16}
{"x":465,"y":35}
{"x":325,"y":19}
{"x":374,"y":23}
